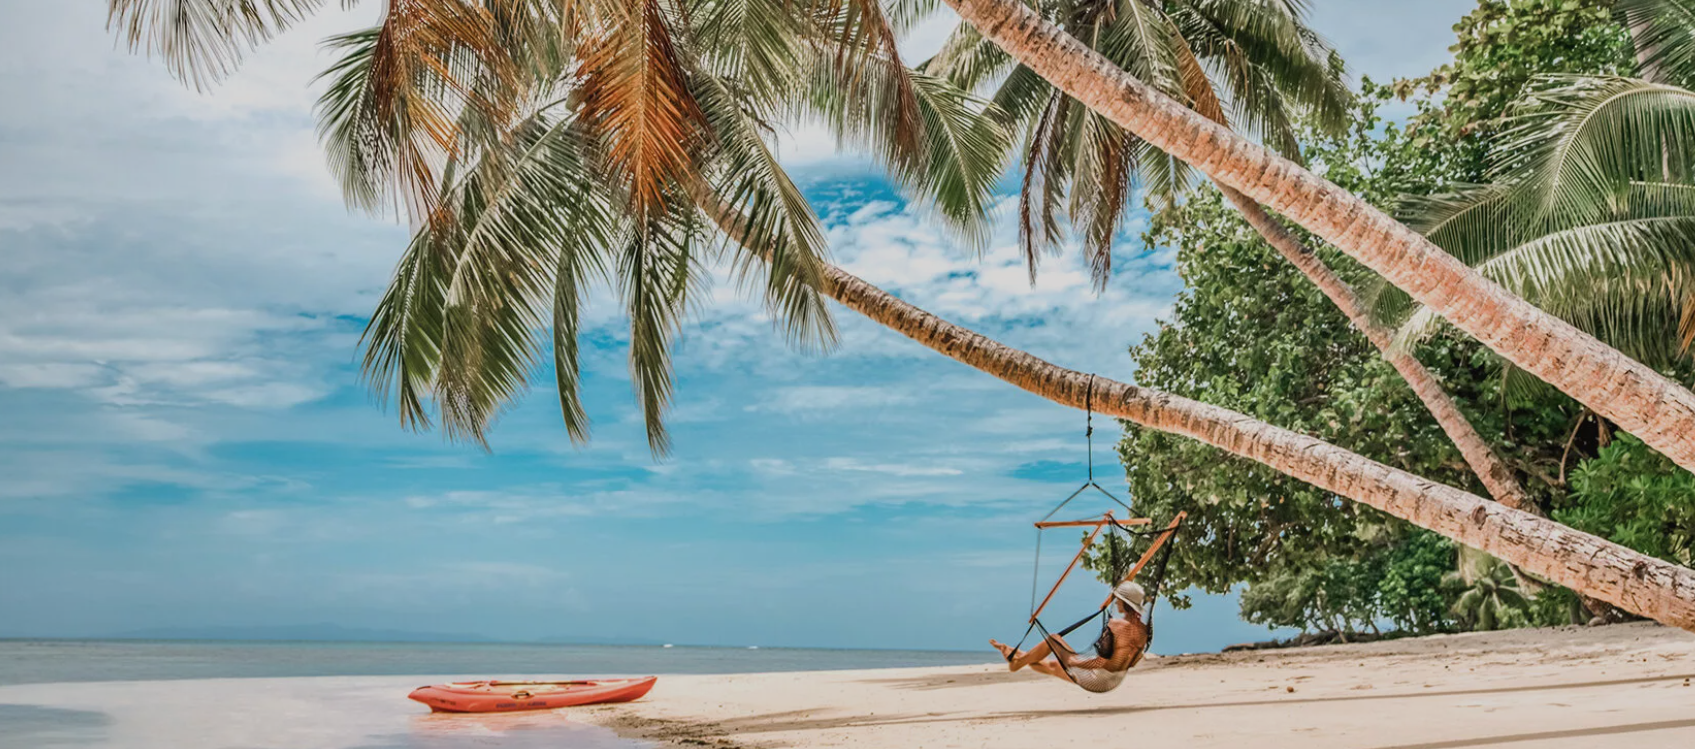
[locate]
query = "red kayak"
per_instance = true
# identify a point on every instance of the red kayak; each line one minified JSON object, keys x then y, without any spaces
{"x":506,"y":696}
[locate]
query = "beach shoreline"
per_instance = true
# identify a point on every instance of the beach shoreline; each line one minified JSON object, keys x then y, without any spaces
{"x":1547,"y":687}
{"x":1542,"y":688}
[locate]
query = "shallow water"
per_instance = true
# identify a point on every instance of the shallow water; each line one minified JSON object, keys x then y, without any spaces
{"x":63,"y":694}
{"x":297,"y":713}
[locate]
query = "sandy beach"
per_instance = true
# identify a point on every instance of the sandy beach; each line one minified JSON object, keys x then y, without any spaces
{"x":1630,"y":684}
{"x":1542,"y":688}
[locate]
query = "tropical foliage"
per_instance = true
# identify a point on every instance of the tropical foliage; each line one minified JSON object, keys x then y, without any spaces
{"x":1248,"y":334}
{"x":1589,"y":211}
{"x":1491,"y":600}
{"x":1636,"y":497}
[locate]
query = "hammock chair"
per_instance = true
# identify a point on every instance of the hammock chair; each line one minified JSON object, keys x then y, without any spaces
{"x":1152,"y":561}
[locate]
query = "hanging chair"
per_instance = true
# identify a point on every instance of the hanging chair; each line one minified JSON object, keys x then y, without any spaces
{"x":1149,"y":567}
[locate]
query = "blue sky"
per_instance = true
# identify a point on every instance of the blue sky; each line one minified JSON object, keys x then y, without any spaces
{"x":185,"y":439}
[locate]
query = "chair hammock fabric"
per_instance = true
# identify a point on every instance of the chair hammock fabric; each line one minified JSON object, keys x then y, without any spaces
{"x":1152,"y":561}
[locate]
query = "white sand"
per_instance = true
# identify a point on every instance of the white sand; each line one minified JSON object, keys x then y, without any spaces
{"x":1619,"y":686}
{"x":1626,"y":685}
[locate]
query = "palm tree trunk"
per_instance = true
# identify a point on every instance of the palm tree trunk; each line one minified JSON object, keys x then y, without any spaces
{"x":1640,"y":400}
{"x":1497,"y":478}
{"x":1647,"y":68}
{"x":1592,"y":566}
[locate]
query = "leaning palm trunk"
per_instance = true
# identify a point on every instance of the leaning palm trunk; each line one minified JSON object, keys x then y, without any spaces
{"x":1637,"y":398}
{"x":1497,"y":478}
{"x":1592,"y":566}
{"x":1652,"y":587}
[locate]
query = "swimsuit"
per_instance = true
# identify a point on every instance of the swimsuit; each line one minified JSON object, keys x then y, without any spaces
{"x":1096,"y":680}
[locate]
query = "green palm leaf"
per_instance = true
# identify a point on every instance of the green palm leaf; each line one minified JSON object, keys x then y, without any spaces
{"x":1666,"y":30}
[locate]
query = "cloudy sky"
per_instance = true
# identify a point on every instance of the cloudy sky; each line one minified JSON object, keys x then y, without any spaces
{"x":184,"y":439}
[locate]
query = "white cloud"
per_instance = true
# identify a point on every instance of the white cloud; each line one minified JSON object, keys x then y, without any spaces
{"x":813,"y":399}
{"x":905,"y":470}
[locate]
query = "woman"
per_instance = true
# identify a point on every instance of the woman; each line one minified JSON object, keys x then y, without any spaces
{"x":1119,"y":648}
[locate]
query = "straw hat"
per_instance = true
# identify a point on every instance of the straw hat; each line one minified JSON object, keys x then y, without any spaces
{"x":1131,"y":594}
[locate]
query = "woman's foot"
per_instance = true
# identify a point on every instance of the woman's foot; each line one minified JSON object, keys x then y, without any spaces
{"x":1006,"y":651}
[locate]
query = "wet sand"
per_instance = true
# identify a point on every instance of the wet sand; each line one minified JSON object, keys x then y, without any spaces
{"x":1626,"y":685}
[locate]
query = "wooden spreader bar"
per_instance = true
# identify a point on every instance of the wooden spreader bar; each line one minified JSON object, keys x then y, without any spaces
{"x":1108,"y":520}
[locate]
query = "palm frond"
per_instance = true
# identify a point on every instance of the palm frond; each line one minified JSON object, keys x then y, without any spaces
{"x":1261,"y":47}
{"x":1665,"y":31}
{"x":1626,"y":282}
{"x":525,"y":231}
{"x":392,"y":116}
{"x":1579,"y":143}
{"x":403,"y":339}
{"x":963,"y":140}
{"x":659,"y":273}
{"x":203,"y":41}
{"x":1021,"y":98}
{"x":1100,"y":194}
{"x":761,"y":45}
{"x":966,"y":141}
{"x":1046,"y":176}
{"x":967,"y":59}
{"x":775,"y":236}
{"x":635,"y":95}
{"x":867,"y":60}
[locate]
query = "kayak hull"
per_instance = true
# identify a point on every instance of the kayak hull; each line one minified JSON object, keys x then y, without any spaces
{"x":510,"y":696}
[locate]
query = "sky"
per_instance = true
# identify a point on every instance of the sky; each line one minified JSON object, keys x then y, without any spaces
{"x":185,"y":440}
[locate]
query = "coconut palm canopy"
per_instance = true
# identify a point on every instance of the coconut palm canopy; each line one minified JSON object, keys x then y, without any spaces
{"x":1247,"y":63}
{"x":1648,"y":403}
{"x":1591,"y":209}
{"x":541,"y":147}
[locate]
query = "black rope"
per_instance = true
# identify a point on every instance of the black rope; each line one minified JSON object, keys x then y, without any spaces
{"x":1089,"y":424}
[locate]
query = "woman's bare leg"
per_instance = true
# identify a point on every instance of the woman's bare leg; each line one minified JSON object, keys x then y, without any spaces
{"x":1051,"y":668}
{"x":1053,"y":645}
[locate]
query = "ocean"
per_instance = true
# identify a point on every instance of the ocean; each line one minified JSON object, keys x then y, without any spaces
{"x":128,"y":694}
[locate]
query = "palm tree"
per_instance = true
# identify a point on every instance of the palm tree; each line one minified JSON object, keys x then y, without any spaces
{"x":1491,"y":599}
{"x":1258,"y":61}
{"x":1591,"y":211}
{"x":621,"y":110}
{"x":1636,"y":397}
{"x":1578,"y":221}
{"x":526,"y":214}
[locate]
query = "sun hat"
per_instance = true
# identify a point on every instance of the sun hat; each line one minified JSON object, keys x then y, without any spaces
{"x":1130,"y":594}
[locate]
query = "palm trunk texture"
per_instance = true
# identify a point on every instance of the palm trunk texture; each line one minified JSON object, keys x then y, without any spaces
{"x":1638,"y":399}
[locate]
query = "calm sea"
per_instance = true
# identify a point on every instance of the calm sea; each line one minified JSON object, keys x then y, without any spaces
{"x":52,"y":661}
{"x":79,"y":694}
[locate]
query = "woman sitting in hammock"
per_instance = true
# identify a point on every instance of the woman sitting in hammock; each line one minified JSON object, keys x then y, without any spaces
{"x":1120,"y":646}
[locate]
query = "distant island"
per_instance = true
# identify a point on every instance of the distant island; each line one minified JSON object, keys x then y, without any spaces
{"x":338,"y":633}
